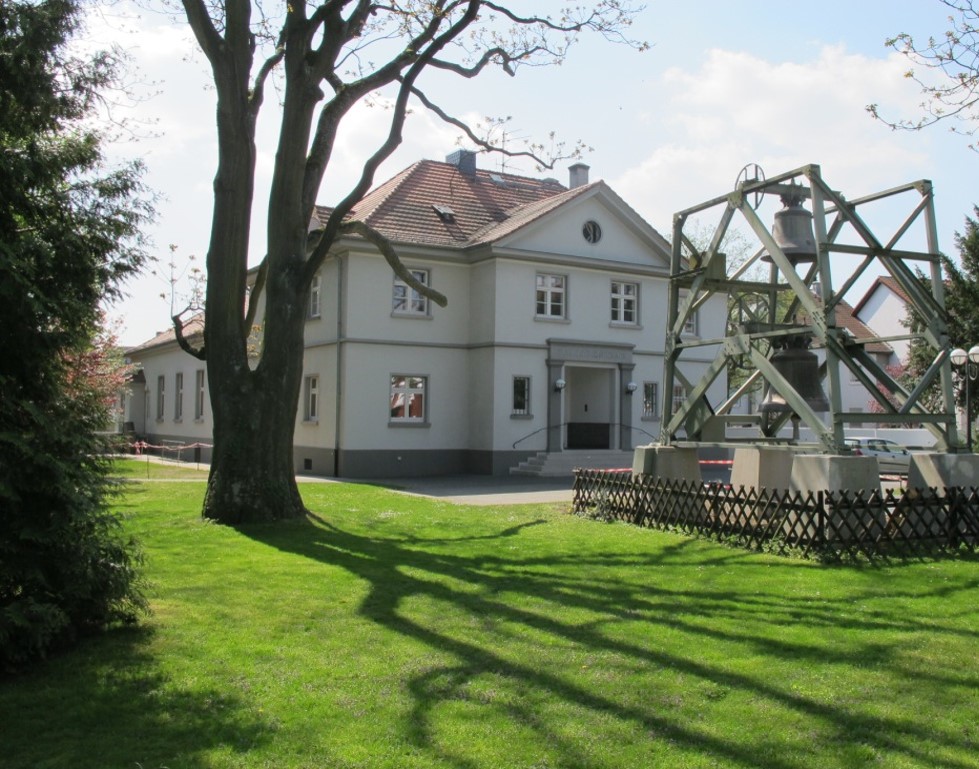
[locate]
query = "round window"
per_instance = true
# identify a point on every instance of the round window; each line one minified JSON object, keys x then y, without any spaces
{"x":591,"y":231}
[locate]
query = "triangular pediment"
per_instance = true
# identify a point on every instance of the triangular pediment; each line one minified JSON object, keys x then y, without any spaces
{"x":589,"y":223}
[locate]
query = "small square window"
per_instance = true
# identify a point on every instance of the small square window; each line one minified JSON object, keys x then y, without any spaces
{"x":625,"y":302}
{"x":408,"y":301}
{"x":407,"y":399}
{"x":551,"y":296}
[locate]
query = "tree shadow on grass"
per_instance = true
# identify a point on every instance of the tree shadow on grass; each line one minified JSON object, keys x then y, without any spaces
{"x":108,"y":704}
{"x":617,"y":609}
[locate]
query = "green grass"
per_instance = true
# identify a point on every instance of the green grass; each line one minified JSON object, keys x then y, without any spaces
{"x":398,"y":631}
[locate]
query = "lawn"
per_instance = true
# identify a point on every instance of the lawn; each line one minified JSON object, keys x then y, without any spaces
{"x":397,"y":631}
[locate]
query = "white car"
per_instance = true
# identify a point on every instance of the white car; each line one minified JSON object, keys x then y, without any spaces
{"x":891,"y":458}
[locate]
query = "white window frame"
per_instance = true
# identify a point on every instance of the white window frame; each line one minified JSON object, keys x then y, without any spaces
{"x":515,"y":410}
{"x":199,"y":378}
{"x":623,"y":304}
{"x":406,"y":301}
{"x":405,"y":389}
{"x":161,"y":392}
{"x":692,"y":326}
{"x":679,"y":396}
{"x":551,"y":293}
{"x":650,"y":400}
{"x":315,"y":308}
{"x":311,"y":398}
{"x":178,"y":396}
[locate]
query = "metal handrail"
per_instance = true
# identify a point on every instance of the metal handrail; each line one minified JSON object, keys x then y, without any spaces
{"x":565,"y":424}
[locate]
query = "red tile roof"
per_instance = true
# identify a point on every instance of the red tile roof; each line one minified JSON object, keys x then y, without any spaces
{"x":474,"y":208}
{"x":846,"y":318}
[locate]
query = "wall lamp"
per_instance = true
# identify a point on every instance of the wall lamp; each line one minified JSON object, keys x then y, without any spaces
{"x":631,"y":387}
{"x":559,"y":385}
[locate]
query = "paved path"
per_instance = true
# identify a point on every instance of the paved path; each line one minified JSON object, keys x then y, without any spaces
{"x":483,"y":489}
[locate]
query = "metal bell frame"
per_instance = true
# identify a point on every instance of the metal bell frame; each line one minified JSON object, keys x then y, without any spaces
{"x":808,"y":293}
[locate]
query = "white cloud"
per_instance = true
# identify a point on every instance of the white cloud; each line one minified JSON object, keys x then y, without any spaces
{"x":738,"y":108}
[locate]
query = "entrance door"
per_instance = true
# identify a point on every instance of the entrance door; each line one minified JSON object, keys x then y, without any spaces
{"x":589,"y":407}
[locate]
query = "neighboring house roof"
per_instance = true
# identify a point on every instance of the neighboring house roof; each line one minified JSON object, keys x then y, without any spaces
{"x":846,"y":317}
{"x":887,"y":282}
{"x":193,"y":332}
{"x":437,"y":204}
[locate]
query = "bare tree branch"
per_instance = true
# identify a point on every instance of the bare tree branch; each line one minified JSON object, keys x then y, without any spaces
{"x":185,"y":345}
{"x":391,"y":256}
{"x":950,"y":83}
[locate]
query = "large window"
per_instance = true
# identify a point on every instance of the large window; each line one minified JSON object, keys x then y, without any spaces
{"x":408,"y":395}
{"x":407,"y":301}
{"x":521,"y":396}
{"x":178,"y":397}
{"x":199,"y":394}
{"x":552,"y":297}
{"x":650,"y":400}
{"x":625,"y":302}
{"x":315,"y":297}
{"x":161,"y":386}
{"x":311,"y":399}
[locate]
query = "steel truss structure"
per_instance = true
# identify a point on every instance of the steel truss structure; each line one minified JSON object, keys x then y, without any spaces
{"x":799,"y":300}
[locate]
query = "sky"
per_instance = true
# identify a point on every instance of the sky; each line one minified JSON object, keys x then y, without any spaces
{"x":725,"y":83}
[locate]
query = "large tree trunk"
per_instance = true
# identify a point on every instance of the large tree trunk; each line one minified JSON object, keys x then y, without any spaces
{"x":252,"y":474}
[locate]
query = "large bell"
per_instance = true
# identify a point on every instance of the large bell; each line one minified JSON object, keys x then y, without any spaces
{"x":792,"y":231}
{"x":800,"y":367}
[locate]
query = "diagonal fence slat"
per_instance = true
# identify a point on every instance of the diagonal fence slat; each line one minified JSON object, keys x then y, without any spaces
{"x":917,"y":523}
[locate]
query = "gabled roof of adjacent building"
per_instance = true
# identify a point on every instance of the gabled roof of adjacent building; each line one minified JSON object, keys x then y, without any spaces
{"x":846,"y":317}
{"x":885,"y":281}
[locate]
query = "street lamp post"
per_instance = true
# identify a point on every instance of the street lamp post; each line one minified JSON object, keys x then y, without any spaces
{"x":969,"y":363}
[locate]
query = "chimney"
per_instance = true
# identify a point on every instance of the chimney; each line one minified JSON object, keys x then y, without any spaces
{"x":578,"y":175}
{"x":464,"y":160}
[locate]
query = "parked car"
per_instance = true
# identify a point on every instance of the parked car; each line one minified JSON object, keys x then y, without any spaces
{"x":891,"y":458}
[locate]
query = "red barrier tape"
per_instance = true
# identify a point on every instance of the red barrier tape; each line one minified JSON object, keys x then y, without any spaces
{"x":140,"y":446}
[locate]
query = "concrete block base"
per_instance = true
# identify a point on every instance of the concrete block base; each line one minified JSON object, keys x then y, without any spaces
{"x":941,"y":470}
{"x":667,"y":462}
{"x":761,"y":468}
{"x":833,"y":472}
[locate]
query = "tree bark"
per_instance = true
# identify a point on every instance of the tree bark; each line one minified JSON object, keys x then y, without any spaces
{"x":252,"y":476}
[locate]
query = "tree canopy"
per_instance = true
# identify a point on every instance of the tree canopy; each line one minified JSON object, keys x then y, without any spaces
{"x":961,"y":304}
{"x":69,"y":232}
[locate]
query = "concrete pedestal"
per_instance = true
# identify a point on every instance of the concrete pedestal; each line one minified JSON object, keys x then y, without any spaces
{"x":667,"y":462}
{"x":761,"y":468}
{"x":941,"y":470}
{"x":834,"y":472}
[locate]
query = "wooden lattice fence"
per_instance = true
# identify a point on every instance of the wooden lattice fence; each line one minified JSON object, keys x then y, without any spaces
{"x":912,"y":523}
